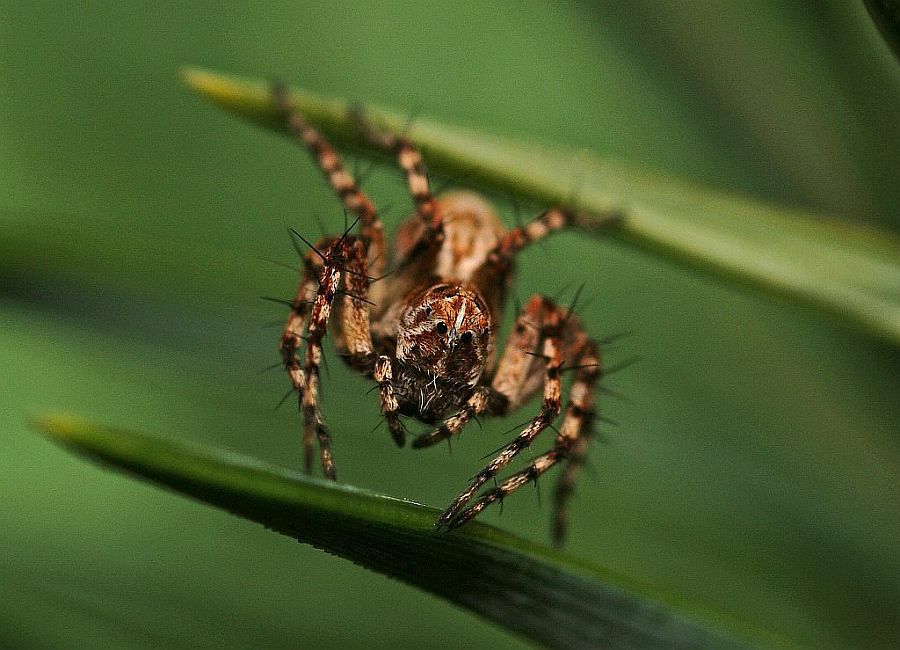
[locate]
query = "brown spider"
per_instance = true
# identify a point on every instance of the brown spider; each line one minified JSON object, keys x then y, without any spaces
{"x":427,"y":333}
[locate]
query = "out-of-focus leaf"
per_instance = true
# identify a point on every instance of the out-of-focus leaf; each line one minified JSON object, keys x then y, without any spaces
{"x":848,"y":270}
{"x":529,"y":589}
{"x":886,"y":15}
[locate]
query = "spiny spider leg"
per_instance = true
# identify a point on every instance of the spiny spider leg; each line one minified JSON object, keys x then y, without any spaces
{"x":552,"y":332}
{"x":501,"y":258}
{"x":570,"y":445}
{"x":329,"y":286}
{"x":342,"y":268}
{"x":509,"y":485}
{"x":335,"y":278}
{"x":575,"y":432}
{"x":353,"y":198}
{"x":295,"y":327}
{"x":410,"y":161}
{"x":535,"y":230}
{"x":551,"y":221}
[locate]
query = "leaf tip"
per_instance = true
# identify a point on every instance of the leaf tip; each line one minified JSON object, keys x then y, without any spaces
{"x":245,"y":97}
{"x":58,"y":426}
{"x":215,"y":86}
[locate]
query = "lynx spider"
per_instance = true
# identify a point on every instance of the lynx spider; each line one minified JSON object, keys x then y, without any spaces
{"x":427,"y":333}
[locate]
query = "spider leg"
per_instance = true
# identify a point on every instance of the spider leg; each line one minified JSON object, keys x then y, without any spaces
{"x":410,"y":161}
{"x":345,"y":186}
{"x":329,"y":284}
{"x":352,"y":336}
{"x":420,"y":239}
{"x":551,"y":221}
{"x":339,"y":260}
{"x":339,"y":278}
{"x":325,"y":267}
{"x":566,"y":483}
{"x":571,"y":442}
{"x":295,"y":327}
{"x":575,"y":431}
{"x":384,"y":375}
{"x":545,"y":224}
{"x":551,"y":332}
{"x":501,"y":258}
{"x":570,"y":447}
{"x":509,"y":485}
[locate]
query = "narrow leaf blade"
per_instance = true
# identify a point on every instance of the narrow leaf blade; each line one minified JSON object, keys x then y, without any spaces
{"x":845,"y":269}
{"x":529,"y":589}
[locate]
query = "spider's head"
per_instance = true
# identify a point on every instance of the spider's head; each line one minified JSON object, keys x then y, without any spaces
{"x":446,"y":332}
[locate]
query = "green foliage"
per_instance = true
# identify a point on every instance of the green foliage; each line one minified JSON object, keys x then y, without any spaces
{"x":886,"y":14}
{"x":756,"y":468}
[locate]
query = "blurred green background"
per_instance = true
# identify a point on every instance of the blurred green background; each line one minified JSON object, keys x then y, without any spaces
{"x":756,"y":468}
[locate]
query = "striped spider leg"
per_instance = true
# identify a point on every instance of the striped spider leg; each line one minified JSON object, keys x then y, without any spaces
{"x":544,"y":339}
{"x":334,"y":269}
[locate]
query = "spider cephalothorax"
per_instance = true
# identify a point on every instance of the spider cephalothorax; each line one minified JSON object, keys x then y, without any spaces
{"x":426,"y":332}
{"x":446,"y":332}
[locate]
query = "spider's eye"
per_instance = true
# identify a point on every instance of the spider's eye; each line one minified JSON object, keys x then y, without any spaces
{"x":428,"y":311}
{"x":466,"y":337}
{"x":441,"y":327}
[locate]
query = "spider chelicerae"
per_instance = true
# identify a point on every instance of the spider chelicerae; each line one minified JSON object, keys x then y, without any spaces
{"x":426,"y":332}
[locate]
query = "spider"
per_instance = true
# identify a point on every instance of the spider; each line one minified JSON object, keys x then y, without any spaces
{"x":426,"y":334}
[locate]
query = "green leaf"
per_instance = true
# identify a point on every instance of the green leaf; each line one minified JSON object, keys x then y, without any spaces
{"x":886,"y":15}
{"x":845,"y":269}
{"x":530,"y":589}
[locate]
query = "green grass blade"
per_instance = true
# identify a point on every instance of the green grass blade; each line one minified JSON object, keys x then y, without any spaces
{"x":529,"y":589}
{"x":847,"y":270}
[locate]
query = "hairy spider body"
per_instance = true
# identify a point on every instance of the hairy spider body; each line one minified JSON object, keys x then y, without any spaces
{"x":426,"y":333}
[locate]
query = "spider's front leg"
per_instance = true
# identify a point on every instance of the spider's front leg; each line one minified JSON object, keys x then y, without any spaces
{"x":336,"y":269}
{"x":340,"y":273}
{"x":310,"y":311}
{"x":544,"y":338}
